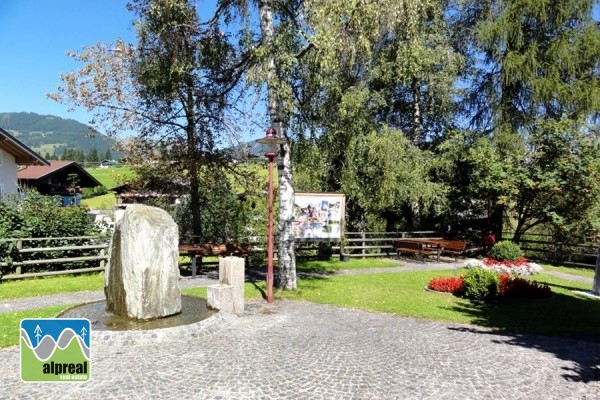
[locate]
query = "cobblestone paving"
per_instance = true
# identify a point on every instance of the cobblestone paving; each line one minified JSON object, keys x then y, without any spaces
{"x":300,"y":350}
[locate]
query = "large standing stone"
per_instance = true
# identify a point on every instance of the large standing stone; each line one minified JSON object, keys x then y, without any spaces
{"x":142,"y":274}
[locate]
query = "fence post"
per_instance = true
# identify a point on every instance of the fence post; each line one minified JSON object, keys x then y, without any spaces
{"x":102,"y":261}
{"x":19,"y":247}
{"x":363,"y":243}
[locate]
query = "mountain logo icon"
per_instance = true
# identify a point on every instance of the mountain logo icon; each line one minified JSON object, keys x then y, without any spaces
{"x":55,"y":350}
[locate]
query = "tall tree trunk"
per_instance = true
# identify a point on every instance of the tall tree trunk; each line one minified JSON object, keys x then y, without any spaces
{"x":416,"y":131}
{"x":286,"y":277}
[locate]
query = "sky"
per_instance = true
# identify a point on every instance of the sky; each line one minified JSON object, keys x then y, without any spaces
{"x":36,"y":34}
{"x":34,"y":38}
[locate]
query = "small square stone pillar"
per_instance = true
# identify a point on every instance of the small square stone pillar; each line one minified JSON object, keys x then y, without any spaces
{"x":232,"y":272}
{"x":220,"y":297}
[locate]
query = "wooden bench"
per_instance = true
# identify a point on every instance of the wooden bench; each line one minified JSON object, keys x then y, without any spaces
{"x":414,"y":247}
{"x":453,"y":247}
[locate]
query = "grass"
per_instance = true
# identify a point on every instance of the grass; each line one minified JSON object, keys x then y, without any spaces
{"x":110,"y":177}
{"x":335,"y":265}
{"x":14,"y":289}
{"x":104,"y":202}
{"x":587,"y":272}
{"x":10,"y":322}
{"x":402,"y":294}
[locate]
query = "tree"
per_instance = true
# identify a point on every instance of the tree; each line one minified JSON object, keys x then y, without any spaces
{"x":372,"y":66}
{"x":531,"y":60}
{"x":269,"y":59}
{"x":415,"y":72}
{"x":107,"y":155}
{"x":532,"y":80}
{"x":386,"y":172}
{"x":92,"y":156}
{"x":553,"y":183}
{"x":173,"y":87}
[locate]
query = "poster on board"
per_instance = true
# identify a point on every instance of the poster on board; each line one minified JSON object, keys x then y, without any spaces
{"x":318,"y":216}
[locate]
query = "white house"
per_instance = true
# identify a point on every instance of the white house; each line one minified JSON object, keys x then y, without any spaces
{"x":13,"y":153}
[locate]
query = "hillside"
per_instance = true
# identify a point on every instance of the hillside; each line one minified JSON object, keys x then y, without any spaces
{"x":47,"y":133}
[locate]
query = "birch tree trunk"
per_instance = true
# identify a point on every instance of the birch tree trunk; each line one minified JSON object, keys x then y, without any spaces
{"x":286,"y":277}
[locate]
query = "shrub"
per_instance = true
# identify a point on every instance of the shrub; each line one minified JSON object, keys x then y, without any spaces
{"x":37,"y":216}
{"x":480,"y":284}
{"x":447,"y":284}
{"x":506,"y":251}
{"x":93,"y":192}
{"x":520,"y":288}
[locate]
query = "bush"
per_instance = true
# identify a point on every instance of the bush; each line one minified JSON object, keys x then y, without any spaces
{"x":480,"y":284}
{"x":506,"y":251}
{"x":93,"y":192}
{"x":519,"y":288}
{"x":37,"y":216}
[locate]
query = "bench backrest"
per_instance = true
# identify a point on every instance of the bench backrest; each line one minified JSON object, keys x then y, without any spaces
{"x":455,"y":245}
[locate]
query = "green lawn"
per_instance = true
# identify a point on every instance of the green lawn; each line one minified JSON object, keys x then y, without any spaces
{"x":10,"y":322}
{"x":587,"y":272}
{"x":566,"y":313}
{"x":110,"y":177}
{"x":104,"y":202}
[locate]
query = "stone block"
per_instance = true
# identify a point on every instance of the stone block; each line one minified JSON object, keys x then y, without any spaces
{"x":220,"y":297}
{"x":142,"y":276}
{"x":232,"y":272}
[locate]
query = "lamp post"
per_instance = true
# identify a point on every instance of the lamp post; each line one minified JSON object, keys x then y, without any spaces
{"x":271,"y":143}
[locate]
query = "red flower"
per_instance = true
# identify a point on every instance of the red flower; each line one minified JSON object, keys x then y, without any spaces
{"x":519,"y":288}
{"x":451,"y":285}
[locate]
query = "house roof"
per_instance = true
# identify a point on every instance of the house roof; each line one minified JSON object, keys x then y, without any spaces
{"x":23,"y":155}
{"x":37,"y":172}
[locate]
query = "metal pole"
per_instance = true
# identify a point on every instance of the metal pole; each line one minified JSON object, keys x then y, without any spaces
{"x":270,"y":236}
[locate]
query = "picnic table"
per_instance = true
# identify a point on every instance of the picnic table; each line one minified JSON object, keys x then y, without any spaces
{"x":431,"y":246}
{"x":197,"y":251}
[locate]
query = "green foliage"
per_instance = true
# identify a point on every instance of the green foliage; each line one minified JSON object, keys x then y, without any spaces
{"x":93,"y":192}
{"x":38,"y":216}
{"x":506,"y":250}
{"x":384,"y":172}
{"x":480,"y":284}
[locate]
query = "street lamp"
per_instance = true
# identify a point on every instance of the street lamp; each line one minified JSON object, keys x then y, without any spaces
{"x":271,"y":143}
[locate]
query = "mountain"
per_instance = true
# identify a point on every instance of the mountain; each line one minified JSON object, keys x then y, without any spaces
{"x":47,"y":133}
{"x":251,"y":149}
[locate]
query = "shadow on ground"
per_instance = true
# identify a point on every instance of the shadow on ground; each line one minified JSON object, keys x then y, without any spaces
{"x":544,"y":320}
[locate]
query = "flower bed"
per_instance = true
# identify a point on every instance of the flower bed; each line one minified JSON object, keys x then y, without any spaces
{"x":482,"y":283}
{"x":519,"y":267}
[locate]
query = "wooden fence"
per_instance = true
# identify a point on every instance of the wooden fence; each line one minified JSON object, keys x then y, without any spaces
{"x":545,"y":248}
{"x":97,"y":249}
{"x":358,"y":244}
{"x":354,"y":244}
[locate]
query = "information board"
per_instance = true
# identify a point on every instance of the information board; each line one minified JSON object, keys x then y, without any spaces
{"x":319,"y":216}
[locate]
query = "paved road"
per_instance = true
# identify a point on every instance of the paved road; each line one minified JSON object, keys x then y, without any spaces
{"x":299,"y":350}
